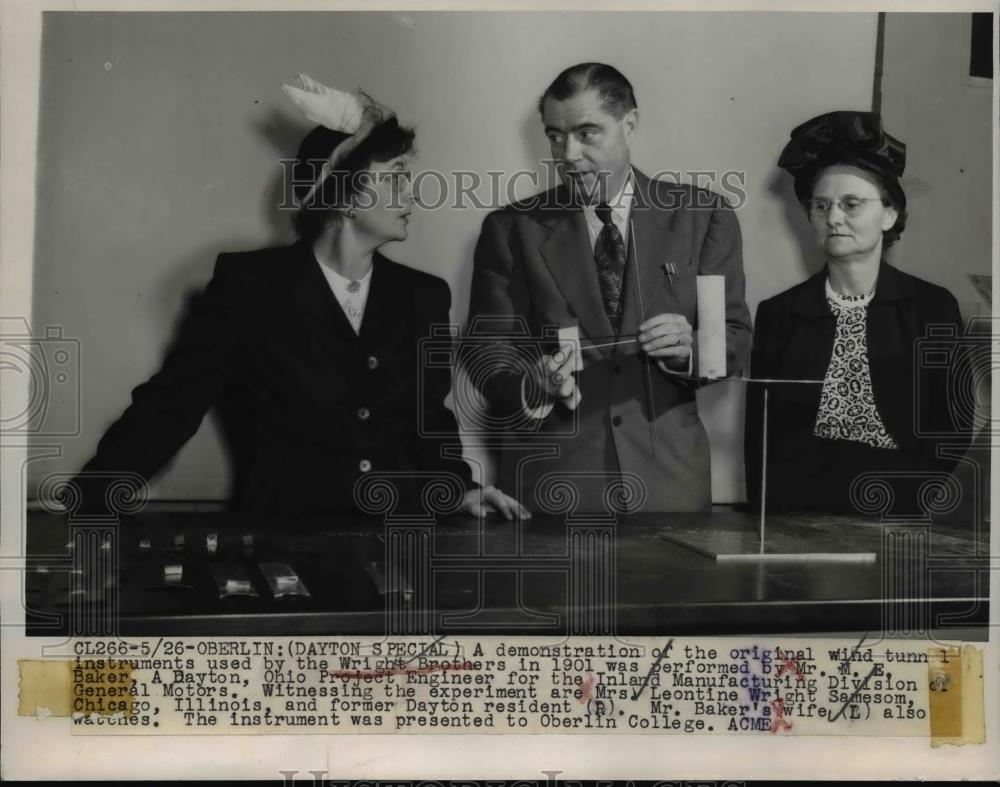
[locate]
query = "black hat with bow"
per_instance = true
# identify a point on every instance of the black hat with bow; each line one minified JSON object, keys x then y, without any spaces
{"x":844,"y":137}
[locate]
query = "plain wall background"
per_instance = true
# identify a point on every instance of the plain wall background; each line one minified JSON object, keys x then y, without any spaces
{"x":946,"y":120}
{"x":160,"y":133}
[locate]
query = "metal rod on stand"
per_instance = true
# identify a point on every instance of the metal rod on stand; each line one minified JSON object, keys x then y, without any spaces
{"x":763,"y":476}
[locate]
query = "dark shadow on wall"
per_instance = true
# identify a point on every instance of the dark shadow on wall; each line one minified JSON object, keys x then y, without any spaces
{"x":231,"y":412}
{"x":277,"y":206}
{"x":780,"y":187}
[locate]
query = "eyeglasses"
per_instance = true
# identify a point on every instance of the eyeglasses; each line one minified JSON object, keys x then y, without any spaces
{"x":850,"y":206}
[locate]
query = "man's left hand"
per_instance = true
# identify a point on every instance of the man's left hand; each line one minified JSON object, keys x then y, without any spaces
{"x":667,"y":337}
{"x":476,"y":500}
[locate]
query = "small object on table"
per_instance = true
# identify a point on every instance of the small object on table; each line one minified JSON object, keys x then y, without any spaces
{"x":742,"y":546}
{"x":152,"y":575}
{"x":239,"y":587}
{"x":233,"y":580}
{"x":247,"y":541}
{"x":383,"y":581}
{"x":212,"y":544}
{"x":283,"y":581}
{"x":179,"y":542}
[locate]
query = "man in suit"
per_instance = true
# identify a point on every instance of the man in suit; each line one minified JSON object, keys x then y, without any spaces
{"x":617,"y":254}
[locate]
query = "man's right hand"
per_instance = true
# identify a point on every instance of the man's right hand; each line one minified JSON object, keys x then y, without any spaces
{"x":552,"y":378}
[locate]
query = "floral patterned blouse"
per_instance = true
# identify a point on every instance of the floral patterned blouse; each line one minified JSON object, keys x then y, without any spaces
{"x":847,"y":405}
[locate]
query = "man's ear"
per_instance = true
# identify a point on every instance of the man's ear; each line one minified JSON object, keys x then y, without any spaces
{"x":630,"y":124}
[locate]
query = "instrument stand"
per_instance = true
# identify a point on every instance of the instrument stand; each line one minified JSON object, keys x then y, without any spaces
{"x":729,"y":546}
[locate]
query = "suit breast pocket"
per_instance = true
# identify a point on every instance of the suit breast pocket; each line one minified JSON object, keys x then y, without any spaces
{"x":674,"y":294}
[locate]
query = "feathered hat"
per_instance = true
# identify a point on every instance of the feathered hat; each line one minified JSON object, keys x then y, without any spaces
{"x":354,"y":115}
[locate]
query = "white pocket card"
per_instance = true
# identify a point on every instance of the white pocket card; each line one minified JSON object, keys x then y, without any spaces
{"x":571,"y":335}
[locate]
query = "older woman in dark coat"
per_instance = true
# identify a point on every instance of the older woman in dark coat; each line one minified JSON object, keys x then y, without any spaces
{"x":882,"y":430}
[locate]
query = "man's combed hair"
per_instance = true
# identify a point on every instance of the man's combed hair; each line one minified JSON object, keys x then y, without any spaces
{"x":615,"y":91}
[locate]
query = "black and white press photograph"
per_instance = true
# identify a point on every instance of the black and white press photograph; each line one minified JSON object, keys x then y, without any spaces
{"x":545,"y":324}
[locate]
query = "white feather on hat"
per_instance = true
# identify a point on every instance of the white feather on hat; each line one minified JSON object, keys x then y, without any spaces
{"x":354,"y":113}
{"x":335,"y":109}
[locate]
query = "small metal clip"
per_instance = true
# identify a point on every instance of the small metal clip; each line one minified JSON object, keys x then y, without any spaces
{"x":669,"y":270}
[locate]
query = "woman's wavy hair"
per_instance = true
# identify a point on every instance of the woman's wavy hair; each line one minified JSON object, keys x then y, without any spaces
{"x":385,"y":142}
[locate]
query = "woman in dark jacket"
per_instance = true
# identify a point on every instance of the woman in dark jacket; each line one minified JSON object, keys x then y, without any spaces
{"x":882,"y":430}
{"x":326,"y":342}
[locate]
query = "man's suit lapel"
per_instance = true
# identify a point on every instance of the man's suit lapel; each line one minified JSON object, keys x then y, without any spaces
{"x":570,"y":258}
{"x":649,"y":235}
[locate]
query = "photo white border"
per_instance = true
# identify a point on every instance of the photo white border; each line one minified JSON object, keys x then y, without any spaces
{"x":46,"y":750}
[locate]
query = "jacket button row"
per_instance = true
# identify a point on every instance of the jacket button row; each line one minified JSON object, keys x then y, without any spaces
{"x":363,"y":413}
{"x":364,"y":465}
{"x":372,"y":362}
{"x":617,"y":420}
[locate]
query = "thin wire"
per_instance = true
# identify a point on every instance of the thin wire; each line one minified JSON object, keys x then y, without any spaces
{"x":610,"y":344}
{"x":768,"y":381}
{"x":763,"y":472}
{"x":763,"y":477}
{"x":611,"y":336}
{"x":642,"y":315}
